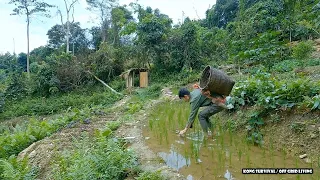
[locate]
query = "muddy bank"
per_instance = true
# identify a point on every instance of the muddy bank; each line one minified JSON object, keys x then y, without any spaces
{"x":41,"y":153}
{"x":133,"y":132}
{"x":298,"y":133}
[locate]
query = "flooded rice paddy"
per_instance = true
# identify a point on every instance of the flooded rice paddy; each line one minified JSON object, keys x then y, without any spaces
{"x":222,"y":157}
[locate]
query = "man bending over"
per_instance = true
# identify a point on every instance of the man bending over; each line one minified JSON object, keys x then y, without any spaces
{"x":197,"y":99}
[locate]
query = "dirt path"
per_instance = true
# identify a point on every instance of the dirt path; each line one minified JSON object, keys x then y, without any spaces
{"x":133,"y":132}
{"x":41,"y":153}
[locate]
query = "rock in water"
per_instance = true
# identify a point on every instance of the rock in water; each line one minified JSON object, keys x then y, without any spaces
{"x":307,"y":160}
{"x":303,"y":156}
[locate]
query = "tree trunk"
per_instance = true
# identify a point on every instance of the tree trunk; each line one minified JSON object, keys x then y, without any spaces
{"x":28,"y":54}
{"x":68,"y":32}
{"x":290,"y":32}
{"x":105,"y":84}
{"x":104,"y":29}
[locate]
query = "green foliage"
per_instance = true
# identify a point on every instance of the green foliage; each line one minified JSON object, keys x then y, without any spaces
{"x":120,"y":17}
{"x":3,"y":87}
{"x":267,"y":94}
{"x":14,"y":141}
{"x":303,"y":50}
{"x":271,"y":93}
{"x":57,"y":104}
{"x":62,"y":72}
{"x":297,"y":127}
{"x":214,"y":44}
{"x":286,"y":65}
{"x":118,"y":84}
{"x":223,"y":12}
{"x":313,"y":62}
{"x":238,"y":32}
{"x":99,"y":158}
{"x":113,"y":125}
{"x":134,"y":107}
{"x":107,"y":62}
{"x":153,"y":91}
{"x":253,"y":133}
{"x":150,"y":176}
{"x":77,"y":38}
{"x":312,"y":102}
{"x":12,"y":169}
{"x":264,"y":49}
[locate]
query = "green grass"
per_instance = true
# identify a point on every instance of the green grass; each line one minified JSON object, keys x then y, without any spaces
{"x":150,"y":176}
{"x":14,"y":141}
{"x":20,"y":137}
{"x":99,"y":157}
{"x":31,"y":106}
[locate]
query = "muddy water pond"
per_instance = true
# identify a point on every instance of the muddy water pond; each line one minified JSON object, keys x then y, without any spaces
{"x":222,"y":157}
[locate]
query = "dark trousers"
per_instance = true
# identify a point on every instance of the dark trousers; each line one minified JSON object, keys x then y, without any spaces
{"x":204,"y":116}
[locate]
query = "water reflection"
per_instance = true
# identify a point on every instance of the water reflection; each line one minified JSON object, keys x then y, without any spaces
{"x":196,"y":136}
{"x":228,"y":175}
{"x":174,"y":159}
{"x":189,"y":177}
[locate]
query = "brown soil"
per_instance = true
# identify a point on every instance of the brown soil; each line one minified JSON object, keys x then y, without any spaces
{"x":149,"y":160}
{"x":41,"y":153}
{"x":316,"y":53}
{"x":297,"y":133}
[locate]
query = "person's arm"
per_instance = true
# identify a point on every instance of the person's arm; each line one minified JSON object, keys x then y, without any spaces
{"x":214,"y":99}
{"x":220,"y":100}
{"x":194,"y":110}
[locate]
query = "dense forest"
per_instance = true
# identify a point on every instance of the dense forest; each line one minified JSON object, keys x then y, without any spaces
{"x":263,"y":38}
{"x":242,"y":33}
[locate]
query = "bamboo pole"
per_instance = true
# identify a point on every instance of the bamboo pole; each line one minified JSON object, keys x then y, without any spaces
{"x":105,"y":84}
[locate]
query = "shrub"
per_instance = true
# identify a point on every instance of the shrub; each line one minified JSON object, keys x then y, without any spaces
{"x":303,"y":50}
{"x":57,"y":104}
{"x":286,"y":65}
{"x":272,"y":93}
{"x":11,"y":143}
{"x":268,"y":93}
{"x":150,"y":176}
{"x":152,"y":91}
{"x":101,"y":158}
{"x":12,"y":169}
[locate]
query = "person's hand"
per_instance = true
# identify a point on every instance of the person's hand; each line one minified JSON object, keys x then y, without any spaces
{"x":182,"y":132}
{"x":222,"y":100}
{"x":206,"y":92}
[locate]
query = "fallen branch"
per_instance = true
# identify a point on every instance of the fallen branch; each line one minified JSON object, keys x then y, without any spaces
{"x":105,"y":84}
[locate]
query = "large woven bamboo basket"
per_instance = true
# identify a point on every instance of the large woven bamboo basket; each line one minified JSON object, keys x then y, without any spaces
{"x":216,"y":81}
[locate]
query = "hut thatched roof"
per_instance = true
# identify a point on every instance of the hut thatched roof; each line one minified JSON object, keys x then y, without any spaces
{"x":126,"y":73}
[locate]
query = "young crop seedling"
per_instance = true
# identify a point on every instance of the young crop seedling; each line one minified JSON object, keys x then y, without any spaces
{"x":240,"y":154}
{"x":284,"y":154}
{"x":248,"y":160}
{"x":230,"y":157}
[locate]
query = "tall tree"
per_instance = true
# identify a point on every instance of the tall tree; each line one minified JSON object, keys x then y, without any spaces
{"x":120,"y":17}
{"x":96,"y":37}
{"x":103,"y":9}
{"x":223,"y":12}
{"x":66,"y":26}
{"x":77,"y":37}
{"x":30,"y":8}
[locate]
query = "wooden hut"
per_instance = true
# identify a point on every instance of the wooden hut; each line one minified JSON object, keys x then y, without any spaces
{"x":131,"y":73}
